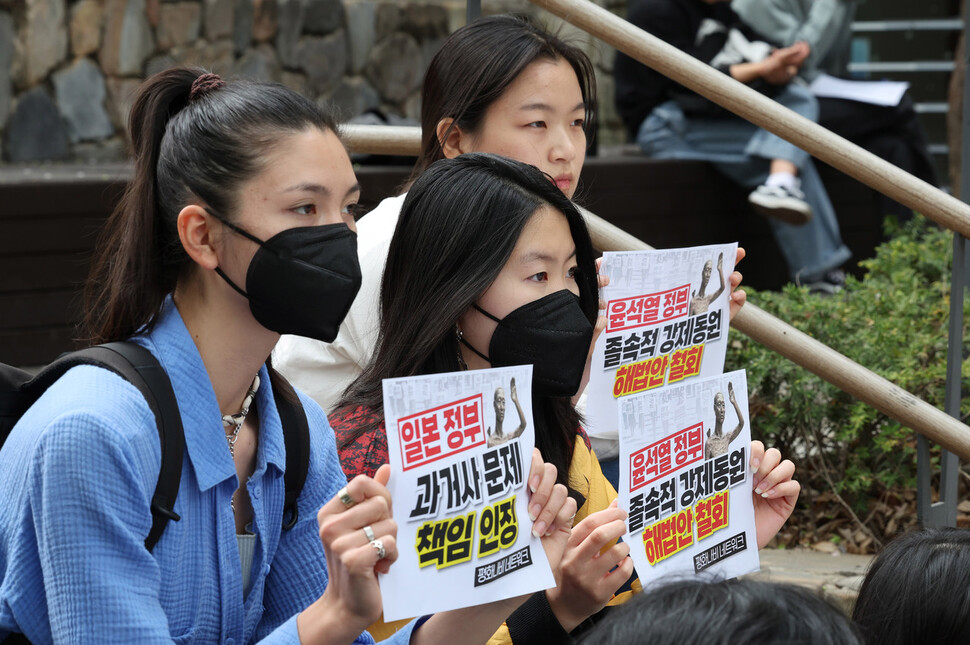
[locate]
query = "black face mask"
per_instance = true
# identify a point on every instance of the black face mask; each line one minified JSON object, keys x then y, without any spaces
{"x":302,"y":280}
{"x":552,"y":334}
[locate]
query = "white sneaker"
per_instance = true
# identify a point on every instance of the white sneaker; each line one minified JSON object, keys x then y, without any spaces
{"x":782,"y":203}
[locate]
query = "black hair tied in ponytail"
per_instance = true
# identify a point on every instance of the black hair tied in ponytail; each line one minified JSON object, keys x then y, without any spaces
{"x":195,"y":140}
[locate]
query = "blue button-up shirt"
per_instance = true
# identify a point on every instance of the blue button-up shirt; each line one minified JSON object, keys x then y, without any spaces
{"x":77,"y":476}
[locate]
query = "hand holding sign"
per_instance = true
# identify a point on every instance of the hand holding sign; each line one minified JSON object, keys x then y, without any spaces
{"x":738,"y":296}
{"x":775,"y":492}
{"x":587,"y":578}
{"x":350,"y":525}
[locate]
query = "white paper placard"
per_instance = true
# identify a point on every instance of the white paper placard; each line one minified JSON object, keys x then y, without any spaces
{"x":667,"y":317}
{"x":685,"y":480}
{"x":885,"y":93}
{"x":460,"y":447}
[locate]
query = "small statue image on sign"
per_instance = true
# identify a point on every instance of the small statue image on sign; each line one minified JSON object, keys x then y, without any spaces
{"x":718,"y":442}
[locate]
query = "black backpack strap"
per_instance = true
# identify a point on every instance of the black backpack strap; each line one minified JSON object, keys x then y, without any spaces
{"x":296,"y":438}
{"x":142,"y":369}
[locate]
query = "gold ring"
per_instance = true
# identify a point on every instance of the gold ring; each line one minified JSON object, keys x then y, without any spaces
{"x":369,"y":533}
{"x":345,"y":497}
{"x":379,"y":547}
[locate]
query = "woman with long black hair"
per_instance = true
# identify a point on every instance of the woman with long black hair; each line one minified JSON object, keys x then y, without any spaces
{"x":491,"y":265}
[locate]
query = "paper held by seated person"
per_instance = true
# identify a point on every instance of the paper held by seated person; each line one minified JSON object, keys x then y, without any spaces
{"x":667,"y":314}
{"x":886,"y":93}
{"x":460,"y":448}
{"x":685,"y":481}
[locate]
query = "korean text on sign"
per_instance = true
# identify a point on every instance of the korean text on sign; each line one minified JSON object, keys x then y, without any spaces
{"x":445,"y":543}
{"x":663,"y":457}
{"x":669,"y":536}
{"x":440,"y":432}
{"x":696,"y":483}
{"x":692,"y":332}
{"x":648,"y":309}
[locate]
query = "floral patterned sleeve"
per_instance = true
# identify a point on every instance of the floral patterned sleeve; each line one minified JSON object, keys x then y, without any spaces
{"x":362,"y":455}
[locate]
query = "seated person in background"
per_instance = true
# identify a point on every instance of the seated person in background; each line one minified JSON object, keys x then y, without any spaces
{"x":891,"y":132}
{"x":917,"y":590}
{"x":726,"y":612}
{"x":671,"y":122}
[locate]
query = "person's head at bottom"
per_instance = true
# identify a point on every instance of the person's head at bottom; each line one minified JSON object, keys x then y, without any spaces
{"x":735,"y":611}
{"x":917,"y":590}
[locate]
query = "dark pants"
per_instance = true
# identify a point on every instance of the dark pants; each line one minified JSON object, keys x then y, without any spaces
{"x":892,"y":133}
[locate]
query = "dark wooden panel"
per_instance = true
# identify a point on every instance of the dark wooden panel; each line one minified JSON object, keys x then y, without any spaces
{"x":59,"y":198}
{"x":35,"y":346}
{"x":39,"y":309}
{"x":31,"y":235}
{"x":45,"y":272}
{"x":672,"y":204}
{"x":379,"y":182}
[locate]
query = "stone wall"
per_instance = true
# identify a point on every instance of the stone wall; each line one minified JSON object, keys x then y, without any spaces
{"x":68,"y":68}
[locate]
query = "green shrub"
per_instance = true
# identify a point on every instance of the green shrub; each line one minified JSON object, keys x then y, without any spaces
{"x":894,"y":322}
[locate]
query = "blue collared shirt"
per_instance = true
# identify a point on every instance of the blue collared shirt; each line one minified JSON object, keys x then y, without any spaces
{"x":76,"y":479}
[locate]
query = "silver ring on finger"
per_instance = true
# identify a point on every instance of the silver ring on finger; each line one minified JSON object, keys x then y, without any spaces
{"x":379,"y":547}
{"x":369,"y":533}
{"x":345,"y":497}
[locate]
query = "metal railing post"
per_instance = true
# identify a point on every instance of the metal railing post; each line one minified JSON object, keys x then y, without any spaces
{"x":944,"y":511}
{"x":473,"y":10}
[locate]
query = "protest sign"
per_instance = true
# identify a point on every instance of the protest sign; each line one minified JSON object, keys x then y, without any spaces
{"x":460,"y":448}
{"x":667,"y":315}
{"x":684,"y":478}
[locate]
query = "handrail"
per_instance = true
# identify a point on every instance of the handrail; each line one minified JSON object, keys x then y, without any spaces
{"x":775,"y":334}
{"x":919,"y":24}
{"x":382,"y":139}
{"x":764,"y":112}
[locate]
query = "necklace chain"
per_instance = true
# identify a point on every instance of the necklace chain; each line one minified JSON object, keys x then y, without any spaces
{"x":236,"y":420}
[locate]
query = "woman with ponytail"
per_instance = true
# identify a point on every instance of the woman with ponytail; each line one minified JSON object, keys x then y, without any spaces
{"x":236,"y":227}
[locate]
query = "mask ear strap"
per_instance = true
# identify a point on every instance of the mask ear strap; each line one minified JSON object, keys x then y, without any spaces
{"x":237,"y":229}
{"x":231,"y":283}
{"x":485,"y":313}
{"x":245,"y":234}
{"x":461,"y":339}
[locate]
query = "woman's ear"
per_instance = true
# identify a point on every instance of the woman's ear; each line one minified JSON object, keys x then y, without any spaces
{"x":453,"y":141}
{"x":197,"y":236}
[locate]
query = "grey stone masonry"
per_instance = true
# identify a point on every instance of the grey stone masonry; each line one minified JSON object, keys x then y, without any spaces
{"x":178,"y":24}
{"x":361,"y":15}
{"x":393,"y":66}
{"x":259,"y":64}
{"x":289,"y":28}
{"x":322,"y":17}
{"x":80,"y":96}
{"x":44,"y":38}
{"x":78,"y":63}
{"x":86,"y":18}
{"x":36,"y":131}
{"x":128,"y":39}
{"x":6,"y":63}
{"x":218,"y":18}
{"x":323,"y":59}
